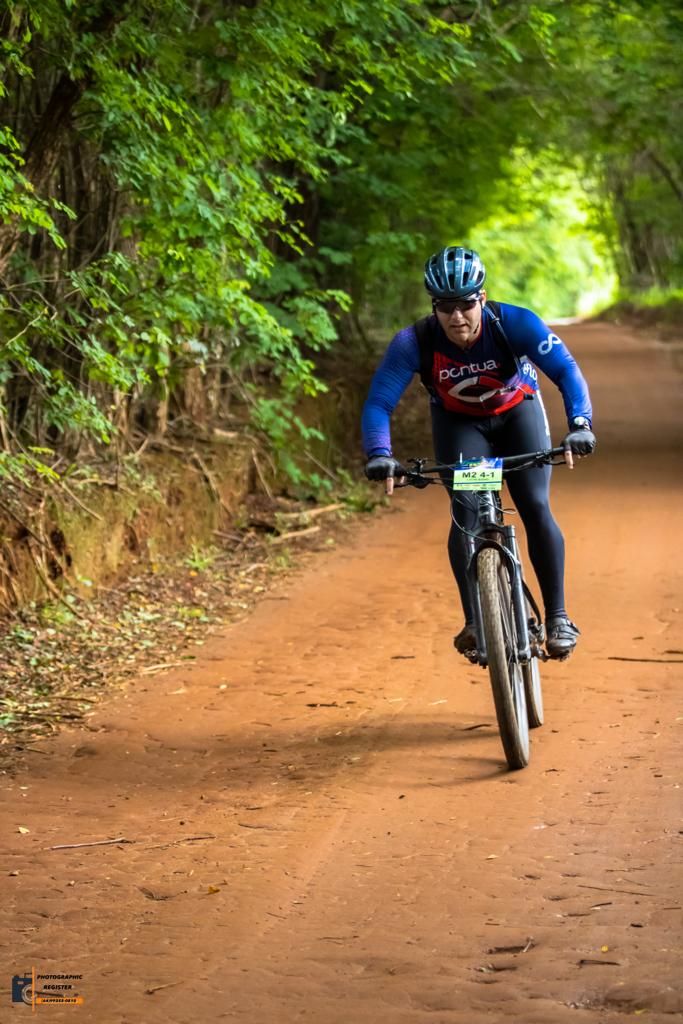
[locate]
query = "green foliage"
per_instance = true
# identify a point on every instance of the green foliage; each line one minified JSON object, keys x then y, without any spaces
{"x":655,"y":298}
{"x":357,"y":494}
{"x":199,"y":560}
{"x":612,"y":107}
{"x":194,"y":198}
{"x":542,"y":250}
{"x":17,"y":197}
{"x":567,"y":162}
{"x":208,"y":134}
{"x":24,"y":466}
{"x":289,"y":436}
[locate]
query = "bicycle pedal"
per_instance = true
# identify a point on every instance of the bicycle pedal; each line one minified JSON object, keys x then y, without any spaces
{"x":470,"y":654}
{"x":537,"y":631}
{"x":561,"y":657}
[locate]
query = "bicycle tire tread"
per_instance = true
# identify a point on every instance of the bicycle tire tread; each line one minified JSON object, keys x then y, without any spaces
{"x":488,"y":568}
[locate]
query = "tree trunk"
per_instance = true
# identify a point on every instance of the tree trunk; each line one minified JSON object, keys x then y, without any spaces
{"x":44,"y":148}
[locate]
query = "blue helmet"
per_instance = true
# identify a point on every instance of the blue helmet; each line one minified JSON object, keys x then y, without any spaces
{"x":454,"y":273}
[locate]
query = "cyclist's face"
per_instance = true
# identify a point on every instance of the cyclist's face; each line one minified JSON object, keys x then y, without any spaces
{"x":461,"y":323}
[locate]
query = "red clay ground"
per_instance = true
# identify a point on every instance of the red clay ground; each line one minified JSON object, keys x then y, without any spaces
{"x":320,"y":822}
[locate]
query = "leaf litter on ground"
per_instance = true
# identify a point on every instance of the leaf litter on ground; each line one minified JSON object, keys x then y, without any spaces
{"x":55,"y":664}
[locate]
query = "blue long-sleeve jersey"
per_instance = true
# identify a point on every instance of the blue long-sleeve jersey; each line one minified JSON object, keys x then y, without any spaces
{"x":468,"y":381}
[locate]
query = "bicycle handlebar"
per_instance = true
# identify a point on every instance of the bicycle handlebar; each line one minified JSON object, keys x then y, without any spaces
{"x":420,"y":473}
{"x":511,"y":462}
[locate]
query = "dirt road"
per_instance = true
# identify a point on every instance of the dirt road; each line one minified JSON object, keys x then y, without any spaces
{"x":320,"y":823}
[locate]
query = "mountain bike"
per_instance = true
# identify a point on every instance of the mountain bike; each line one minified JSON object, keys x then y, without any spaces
{"x":508,"y":624}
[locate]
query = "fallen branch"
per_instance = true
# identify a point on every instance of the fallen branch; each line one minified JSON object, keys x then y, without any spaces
{"x":271,"y":828}
{"x":221,"y":436}
{"x":159,"y":668}
{"x":498,"y":950}
{"x":99,"y":842}
{"x":159,"y":442}
{"x":158,"y":988}
{"x":306,"y":513}
{"x":495,"y":968}
{"x":320,"y":465}
{"x":211,"y":481}
{"x":629,"y":892}
{"x":63,"y":487}
{"x":175,"y":842}
{"x":659,"y":661}
{"x":250,"y":568}
{"x":295,"y":534}
{"x":261,"y":476}
{"x":229,"y":536}
{"x":114,"y":485}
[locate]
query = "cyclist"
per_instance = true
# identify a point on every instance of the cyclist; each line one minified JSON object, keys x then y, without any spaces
{"x":476,"y":361}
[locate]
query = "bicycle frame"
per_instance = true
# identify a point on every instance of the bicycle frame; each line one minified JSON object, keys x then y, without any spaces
{"x":492,"y":532}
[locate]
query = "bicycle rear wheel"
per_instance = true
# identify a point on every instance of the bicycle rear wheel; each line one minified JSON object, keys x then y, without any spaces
{"x":531,"y":673}
{"x":501,"y":647}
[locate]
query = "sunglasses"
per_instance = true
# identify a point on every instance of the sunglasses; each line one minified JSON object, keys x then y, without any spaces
{"x":449,"y":305}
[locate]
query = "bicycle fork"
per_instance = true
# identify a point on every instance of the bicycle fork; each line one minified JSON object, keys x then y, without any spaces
{"x":518,"y":602}
{"x":509,"y":553}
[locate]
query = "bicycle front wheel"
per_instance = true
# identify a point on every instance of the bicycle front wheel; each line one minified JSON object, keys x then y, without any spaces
{"x":501,"y":648}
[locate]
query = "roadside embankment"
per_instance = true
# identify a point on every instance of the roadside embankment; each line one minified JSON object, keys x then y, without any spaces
{"x":663,"y":318}
{"x":91,"y":526}
{"x":97,"y":520}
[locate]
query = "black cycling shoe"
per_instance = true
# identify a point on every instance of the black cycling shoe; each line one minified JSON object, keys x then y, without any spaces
{"x":561,"y":637}
{"x":465,"y":642}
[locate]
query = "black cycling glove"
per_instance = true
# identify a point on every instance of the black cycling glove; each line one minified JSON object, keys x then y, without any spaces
{"x":580,"y":441}
{"x":380,"y":467}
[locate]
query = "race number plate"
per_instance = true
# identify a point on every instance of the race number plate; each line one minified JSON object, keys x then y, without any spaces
{"x":478,"y":475}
